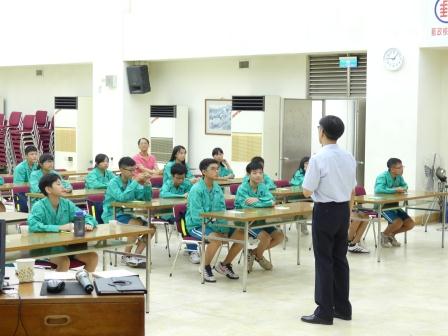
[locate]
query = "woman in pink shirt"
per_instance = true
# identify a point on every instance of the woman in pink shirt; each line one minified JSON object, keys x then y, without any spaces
{"x":145,"y":161}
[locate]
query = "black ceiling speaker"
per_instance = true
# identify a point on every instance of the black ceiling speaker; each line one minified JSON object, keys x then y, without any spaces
{"x":138,"y":79}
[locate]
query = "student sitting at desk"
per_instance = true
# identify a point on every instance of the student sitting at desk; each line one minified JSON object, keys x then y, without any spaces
{"x":391,"y":182}
{"x":255,"y":194}
{"x":22,"y":173}
{"x":124,"y":188}
{"x":46,"y":166}
{"x":55,"y":214}
{"x":297,"y":181}
{"x":225,"y":171}
{"x":266,"y":179}
{"x":178,"y":187}
{"x":178,"y":156}
{"x":2,"y":181}
{"x":99,"y":177}
{"x":299,"y":175}
{"x":206,"y":196}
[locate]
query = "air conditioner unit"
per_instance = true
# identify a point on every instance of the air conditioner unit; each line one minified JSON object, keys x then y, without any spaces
{"x":73,"y":133}
{"x":168,"y":128}
{"x":256,"y":132}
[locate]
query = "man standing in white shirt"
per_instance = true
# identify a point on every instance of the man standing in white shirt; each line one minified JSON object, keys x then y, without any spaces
{"x":330,"y":181}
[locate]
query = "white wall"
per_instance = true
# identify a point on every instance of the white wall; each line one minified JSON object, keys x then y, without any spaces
{"x":430,"y":112}
{"x":25,"y":92}
{"x":190,"y":82}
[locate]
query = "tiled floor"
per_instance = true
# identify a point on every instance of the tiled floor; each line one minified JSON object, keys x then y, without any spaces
{"x":405,"y":294}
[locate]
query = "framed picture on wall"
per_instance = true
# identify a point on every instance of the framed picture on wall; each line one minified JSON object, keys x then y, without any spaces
{"x":218,"y":116}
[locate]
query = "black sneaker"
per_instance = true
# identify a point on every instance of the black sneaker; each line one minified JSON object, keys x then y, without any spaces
{"x":208,"y":275}
{"x":226,"y":270}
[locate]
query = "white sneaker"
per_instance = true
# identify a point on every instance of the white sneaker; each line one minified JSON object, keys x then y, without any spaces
{"x":385,"y":241}
{"x":195,"y":258}
{"x":357,"y":248}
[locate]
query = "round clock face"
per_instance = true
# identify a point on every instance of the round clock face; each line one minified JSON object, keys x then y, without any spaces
{"x":393,"y":59}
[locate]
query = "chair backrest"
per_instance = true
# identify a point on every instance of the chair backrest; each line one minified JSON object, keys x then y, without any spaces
{"x":230,"y":204}
{"x":157,"y":181}
{"x":282,"y":183}
{"x":360,"y":191}
{"x":155,"y":193}
{"x":234,"y":188}
{"x":41,"y":118}
{"x":96,"y":198}
{"x":179,"y":217}
{"x":8,"y":179}
{"x":21,"y":189}
{"x":28,"y":122}
{"x":14,"y":119}
{"x":78,"y":185}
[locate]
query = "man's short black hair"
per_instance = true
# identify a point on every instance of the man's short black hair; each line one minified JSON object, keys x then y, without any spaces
{"x":257,"y":159}
{"x":30,"y":149}
{"x":178,"y":169}
{"x":217,"y":151}
{"x":206,"y":163}
{"x":254,"y":165}
{"x":45,"y":157}
{"x":332,"y":126}
{"x":392,"y":162}
{"x":126,"y":162}
{"x":47,"y":181}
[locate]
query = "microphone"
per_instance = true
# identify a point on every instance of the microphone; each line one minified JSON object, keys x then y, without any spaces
{"x":83,"y":278}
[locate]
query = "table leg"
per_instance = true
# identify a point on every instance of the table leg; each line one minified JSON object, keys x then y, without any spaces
{"x":298,"y":244}
{"x":379,"y":233}
{"x":405,"y":234}
{"x":245,"y":252}
{"x":443,"y":220}
{"x":203,"y":252}
{"x":148,"y":269}
{"x":284,"y":226}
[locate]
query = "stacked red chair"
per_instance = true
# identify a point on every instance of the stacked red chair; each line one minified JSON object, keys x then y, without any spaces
{"x":22,"y":137}
{"x":3,"y":159}
{"x":44,"y":131}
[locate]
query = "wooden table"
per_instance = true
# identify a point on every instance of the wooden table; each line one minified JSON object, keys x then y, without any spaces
{"x":244,"y":218}
{"x":38,"y":245}
{"x":228,"y":182}
{"x":79,"y":194}
{"x":380,"y":201}
{"x":9,"y":188}
{"x":14,"y":217}
{"x":28,"y":313}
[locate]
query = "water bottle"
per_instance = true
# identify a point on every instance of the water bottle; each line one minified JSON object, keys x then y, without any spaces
{"x":80,"y":224}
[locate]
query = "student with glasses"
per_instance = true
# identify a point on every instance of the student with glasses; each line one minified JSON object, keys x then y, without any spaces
{"x":126,"y":188}
{"x":391,"y":182}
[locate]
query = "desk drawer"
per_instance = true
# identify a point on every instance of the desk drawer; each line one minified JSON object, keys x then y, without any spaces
{"x":85,"y":318}
{"x":9,"y":318}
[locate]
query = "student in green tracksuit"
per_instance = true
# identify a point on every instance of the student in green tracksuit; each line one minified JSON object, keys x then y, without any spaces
{"x":266,"y":179}
{"x":255,"y":194}
{"x":100,"y":176}
{"x":124,"y":188}
{"x":391,"y":182}
{"x":178,"y":156}
{"x":299,"y":175}
{"x":205,"y":196}
{"x":225,"y":171}
{"x":297,"y":181}
{"x":178,"y":187}
{"x":46,"y":166}
{"x":2,"y":181}
{"x":55,"y":214}
{"x":22,"y":173}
